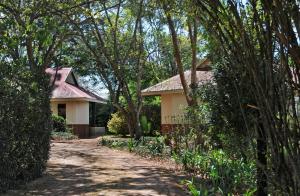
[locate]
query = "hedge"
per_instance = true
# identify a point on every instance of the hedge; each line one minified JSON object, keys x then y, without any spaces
{"x":25,"y":125}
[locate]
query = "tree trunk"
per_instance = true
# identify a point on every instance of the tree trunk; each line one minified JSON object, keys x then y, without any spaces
{"x":132,"y":116}
{"x":262,"y":180}
{"x":192,"y":26}
{"x":138,"y":130}
{"x":177,"y":56}
{"x":130,"y":124}
{"x":136,"y":124}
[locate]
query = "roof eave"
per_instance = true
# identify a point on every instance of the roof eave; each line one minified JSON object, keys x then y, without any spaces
{"x":77,"y":99}
{"x":96,"y":101}
{"x":163,"y":92}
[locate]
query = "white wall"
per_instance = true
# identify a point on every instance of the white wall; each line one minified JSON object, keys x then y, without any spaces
{"x":77,"y":112}
{"x":172,"y":108}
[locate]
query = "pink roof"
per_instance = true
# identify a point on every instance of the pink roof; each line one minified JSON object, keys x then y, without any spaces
{"x":67,"y":87}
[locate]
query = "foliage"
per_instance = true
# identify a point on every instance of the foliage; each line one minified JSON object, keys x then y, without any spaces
{"x":147,"y":146}
{"x":193,"y":189}
{"x":219,"y":117}
{"x":118,"y":59}
{"x":31,"y":34}
{"x":151,"y":110}
{"x":250,"y":106}
{"x":230,"y":175}
{"x":130,"y":145}
{"x":117,"y":124}
{"x":151,"y":146}
{"x":197,"y":189}
{"x":260,"y":60}
{"x":58,"y":123}
{"x":28,"y":42}
{"x":25,"y":126}
{"x":202,"y":150}
{"x":67,"y":135}
{"x":102,"y":113}
{"x":145,"y":125}
{"x":115,"y":143}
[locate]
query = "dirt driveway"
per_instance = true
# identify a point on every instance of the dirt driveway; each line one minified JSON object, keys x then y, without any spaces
{"x":83,"y":168}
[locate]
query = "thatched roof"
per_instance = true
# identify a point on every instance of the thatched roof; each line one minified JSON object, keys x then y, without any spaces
{"x":173,"y":84}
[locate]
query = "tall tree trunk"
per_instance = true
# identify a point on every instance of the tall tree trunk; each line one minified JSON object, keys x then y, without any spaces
{"x":138,"y":130}
{"x":177,"y":56}
{"x":130,"y":126}
{"x":192,"y":26}
{"x":140,"y":66}
{"x":133,"y":123}
{"x":262,"y":180}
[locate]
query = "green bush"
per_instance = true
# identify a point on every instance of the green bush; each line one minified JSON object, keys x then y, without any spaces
{"x":193,"y":189}
{"x":114,"y":143}
{"x":117,"y":124}
{"x":58,"y":123}
{"x":145,"y":125}
{"x":131,"y":145}
{"x":153,"y":114}
{"x":228,"y":175}
{"x":68,"y":135}
{"x":156,"y":146}
{"x":148,"y":146}
{"x":25,"y":123}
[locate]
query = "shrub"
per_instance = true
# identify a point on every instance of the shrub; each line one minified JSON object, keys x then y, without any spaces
{"x":229,"y":175}
{"x":25,"y":121}
{"x":148,"y":146}
{"x":68,"y":135}
{"x":113,"y":143}
{"x":145,"y":125}
{"x":156,"y":146}
{"x":58,"y":123}
{"x":130,"y":145}
{"x":153,"y":114}
{"x":193,"y":189}
{"x":117,"y":124}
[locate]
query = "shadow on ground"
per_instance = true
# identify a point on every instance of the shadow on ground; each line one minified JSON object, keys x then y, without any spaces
{"x":76,"y":169}
{"x":76,"y":181}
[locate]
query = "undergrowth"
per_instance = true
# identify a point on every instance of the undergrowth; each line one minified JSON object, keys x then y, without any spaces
{"x":147,"y":146}
{"x":219,"y":173}
{"x":63,"y":135}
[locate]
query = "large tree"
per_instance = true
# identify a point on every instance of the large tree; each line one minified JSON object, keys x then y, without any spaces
{"x":112,"y":35}
{"x":30,"y":36}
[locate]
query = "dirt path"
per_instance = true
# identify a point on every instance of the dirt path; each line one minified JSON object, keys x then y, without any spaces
{"x":83,"y":168}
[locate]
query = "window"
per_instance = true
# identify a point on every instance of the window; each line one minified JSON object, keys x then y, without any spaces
{"x":61,"y":110}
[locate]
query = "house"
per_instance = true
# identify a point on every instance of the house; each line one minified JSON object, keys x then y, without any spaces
{"x":173,"y":101}
{"x":73,"y":102}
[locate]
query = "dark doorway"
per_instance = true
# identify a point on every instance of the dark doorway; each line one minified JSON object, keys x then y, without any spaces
{"x":61,"y":110}
{"x":100,"y":114}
